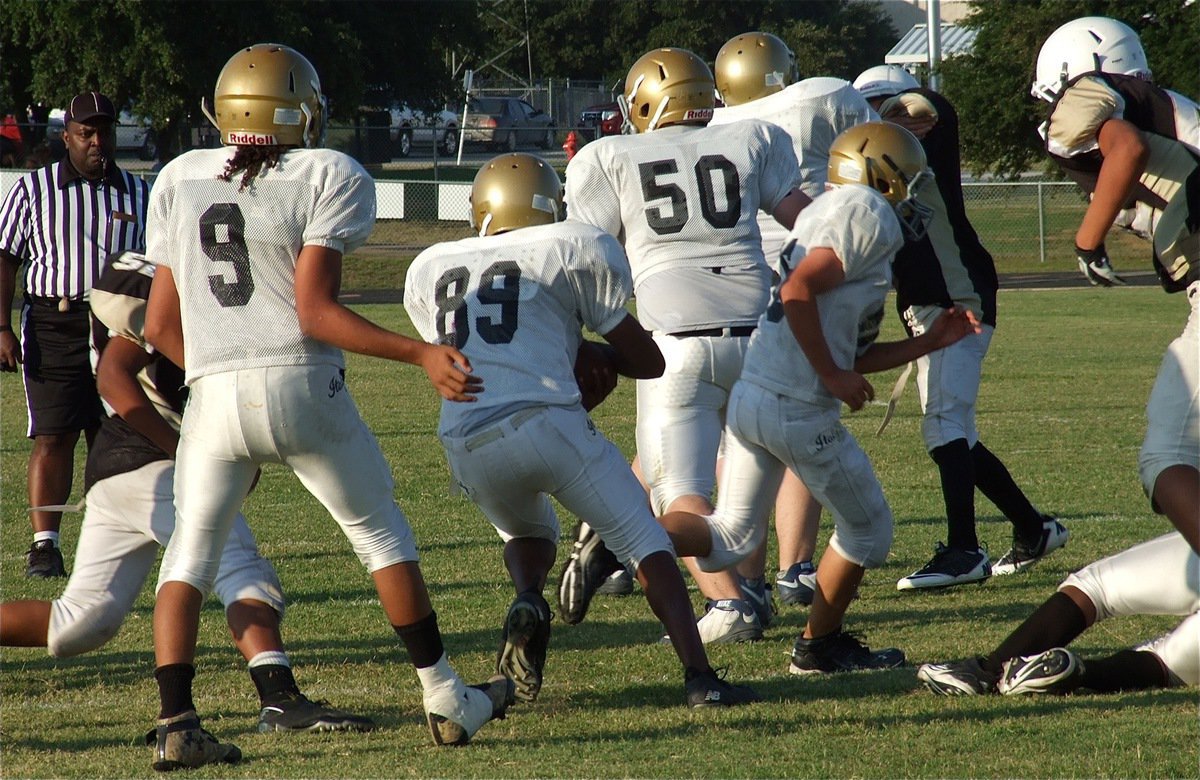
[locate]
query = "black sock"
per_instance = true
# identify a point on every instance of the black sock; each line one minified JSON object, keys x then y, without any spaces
{"x":274,"y":682}
{"x":994,"y":481}
{"x":957,"y":471}
{"x":175,"y":689}
{"x":1054,"y":624}
{"x":423,"y":640}
{"x":1128,"y":670}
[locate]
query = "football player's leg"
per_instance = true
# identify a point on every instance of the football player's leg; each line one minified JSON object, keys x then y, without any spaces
{"x":1170,"y":456}
{"x":117,"y":549}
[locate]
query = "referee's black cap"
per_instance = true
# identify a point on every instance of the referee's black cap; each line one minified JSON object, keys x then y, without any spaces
{"x":90,"y":105}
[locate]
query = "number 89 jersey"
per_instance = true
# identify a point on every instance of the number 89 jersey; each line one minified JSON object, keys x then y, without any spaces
{"x":685,"y":199}
{"x":233,"y":253}
{"x":514,"y":303}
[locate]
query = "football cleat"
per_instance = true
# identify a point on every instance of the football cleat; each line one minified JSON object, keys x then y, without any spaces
{"x":455,"y":712}
{"x":757,"y":593}
{"x":728,"y":621}
{"x":949,"y":566}
{"x":586,"y":569}
{"x":296,"y":712}
{"x":710,"y":689}
{"x":180,"y":743}
{"x":45,"y":560}
{"x":526,"y":638}
{"x":798,"y":584}
{"x":1057,"y":670}
{"x":619,"y":583}
{"x":958,"y":678}
{"x":840,"y":651}
{"x":1023,"y":555}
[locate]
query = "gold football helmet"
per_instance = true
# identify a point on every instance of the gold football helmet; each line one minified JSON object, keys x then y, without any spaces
{"x":667,"y":87}
{"x":514,"y":191}
{"x":269,"y":94}
{"x":753,"y":65}
{"x":887,"y":158}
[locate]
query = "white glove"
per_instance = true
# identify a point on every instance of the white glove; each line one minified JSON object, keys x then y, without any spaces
{"x":1095,"y":265}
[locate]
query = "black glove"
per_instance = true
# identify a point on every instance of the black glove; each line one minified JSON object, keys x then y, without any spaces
{"x":1095,"y":265}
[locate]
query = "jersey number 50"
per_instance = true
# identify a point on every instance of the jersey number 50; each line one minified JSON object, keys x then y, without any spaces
{"x":707,"y":169}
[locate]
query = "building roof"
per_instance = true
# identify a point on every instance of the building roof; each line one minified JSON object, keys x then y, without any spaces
{"x":912,"y":49}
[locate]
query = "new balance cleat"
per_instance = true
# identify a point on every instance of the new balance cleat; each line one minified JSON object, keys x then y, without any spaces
{"x":958,"y":678}
{"x":757,"y":593}
{"x":840,"y":651}
{"x":586,"y":569}
{"x":1057,"y":670}
{"x":798,"y":584}
{"x":297,"y":712}
{"x":1025,"y":554}
{"x":710,"y":689}
{"x":44,"y":560}
{"x":619,"y":583}
{"x":949,"y":566}
{"x":455,"y":712}
{"x":523,"y":646}
{"x":180,"y":743}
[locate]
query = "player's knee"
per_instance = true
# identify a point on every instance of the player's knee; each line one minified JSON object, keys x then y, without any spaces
{"x":866,"y":546}
{"x":732,"y":542}
{"x":256,"y":581}
{"x":76,"y":629}
{"x":1087,"y":585}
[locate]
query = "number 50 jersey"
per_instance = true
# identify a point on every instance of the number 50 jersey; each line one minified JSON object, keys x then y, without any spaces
{"x":233,"y":252}
{"x":514,"y":304}
{"x":684,"y":202}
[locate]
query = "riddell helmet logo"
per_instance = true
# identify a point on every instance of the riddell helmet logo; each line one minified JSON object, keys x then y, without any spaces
{"x":251,"y":139}
{"x":698,"y":113}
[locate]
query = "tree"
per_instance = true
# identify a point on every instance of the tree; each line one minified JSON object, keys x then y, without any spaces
{"x":990,"y":86}
{"x":165,"y":57}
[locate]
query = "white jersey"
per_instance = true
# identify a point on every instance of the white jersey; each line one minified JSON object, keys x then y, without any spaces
{"x":513,"y":304}
{"x":813,"y":112}
{"x":233,"y":253}
{"x":683,"y":200}
{"x":861,"y":227}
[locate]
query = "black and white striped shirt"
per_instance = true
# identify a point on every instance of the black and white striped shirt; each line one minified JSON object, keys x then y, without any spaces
{"x":63,"y":228}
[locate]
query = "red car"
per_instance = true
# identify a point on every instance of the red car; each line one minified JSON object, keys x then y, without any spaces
{"x":602,"y":119}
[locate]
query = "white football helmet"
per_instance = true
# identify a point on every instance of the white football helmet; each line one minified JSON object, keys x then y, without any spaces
{"x":268,"y":94}
{"x":1086,"y":45}
{"x":884,"y":81}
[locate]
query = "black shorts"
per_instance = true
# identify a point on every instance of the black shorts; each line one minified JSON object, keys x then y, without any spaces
{"x":60,"y":388}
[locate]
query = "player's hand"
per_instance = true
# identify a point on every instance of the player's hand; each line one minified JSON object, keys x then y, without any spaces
{"x":10,"y":351}
{"x":917,"y":125}
{"x":450,"y":372}
{"x":1096,"y":266}
{"x":955,"y":324}
{"x":595,"y":374}
{"x":850,"y":387}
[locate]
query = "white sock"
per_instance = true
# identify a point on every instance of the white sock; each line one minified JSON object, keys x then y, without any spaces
{"x":271,"y":658}
{"x":437,"y":675}
{"x":41,"y":536}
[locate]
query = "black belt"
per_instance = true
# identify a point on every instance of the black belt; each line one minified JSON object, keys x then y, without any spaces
{"x":57,"y":303}
{"x":736,"y":331}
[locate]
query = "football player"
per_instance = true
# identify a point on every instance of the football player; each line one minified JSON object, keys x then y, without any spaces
{"x":513,"y":300}
{"x":1124,"y":140}
{"x":950,"y":266}
{"x":248,"y":241}
{"x":131,"y":513}
{"x":756,"y":78}
{"x":683,"y":197}
{"x":805,"y":360}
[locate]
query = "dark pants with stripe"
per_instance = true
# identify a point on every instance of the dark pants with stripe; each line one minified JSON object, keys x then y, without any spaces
{"x":60,"y":387}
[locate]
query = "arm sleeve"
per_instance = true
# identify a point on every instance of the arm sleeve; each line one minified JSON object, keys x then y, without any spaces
{"x":602,"y":283}
{"x":14,"y":219}
{"x":589,"y":194}
{"x":158,"y":239}
{"x":782,"y":172}
{"x":416,"y":304}
{"x":120,"y":294}
{"x":1076,"y":118}
{"x":863,"y":234}
{"x":343,"y":215}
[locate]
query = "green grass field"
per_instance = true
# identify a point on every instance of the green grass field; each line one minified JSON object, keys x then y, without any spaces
{"x":1062,"y":403}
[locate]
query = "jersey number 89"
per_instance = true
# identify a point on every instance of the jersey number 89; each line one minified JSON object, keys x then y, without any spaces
{"x":453,"y":319}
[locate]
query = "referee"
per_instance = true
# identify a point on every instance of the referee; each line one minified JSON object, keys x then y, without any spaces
{"x":60,"y":223}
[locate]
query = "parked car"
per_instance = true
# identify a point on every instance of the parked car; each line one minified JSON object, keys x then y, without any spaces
{"x":134,"y":132}
{"x":504,"y":123}
{"x":411,"y":125}
{"x":601,"y":119}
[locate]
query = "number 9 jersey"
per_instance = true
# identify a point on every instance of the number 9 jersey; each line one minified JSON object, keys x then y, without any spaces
{"x":514,"y":303}
{"x":233,"y":252}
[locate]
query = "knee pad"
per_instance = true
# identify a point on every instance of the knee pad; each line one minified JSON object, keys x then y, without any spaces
{"x":867,"y":547}
{"x":730,"y":543}
{"x":76,"y":629}
{"x":254,"y":579}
